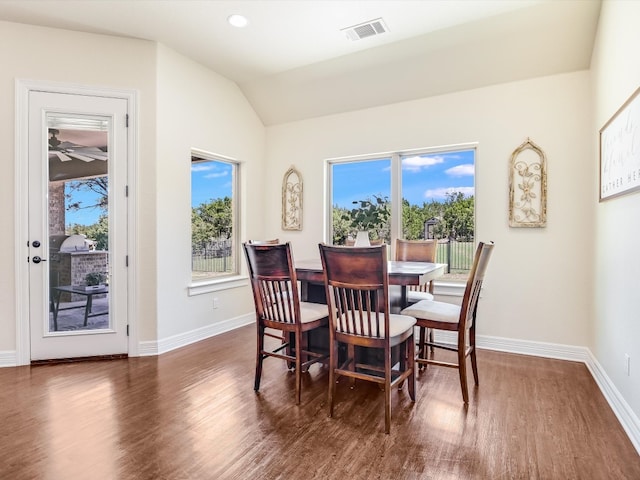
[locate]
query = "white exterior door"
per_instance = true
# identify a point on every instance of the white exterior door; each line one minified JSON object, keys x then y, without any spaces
{"x":77,"y":225}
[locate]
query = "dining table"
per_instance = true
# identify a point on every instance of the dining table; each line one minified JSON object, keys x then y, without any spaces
{"x":401,"y":275}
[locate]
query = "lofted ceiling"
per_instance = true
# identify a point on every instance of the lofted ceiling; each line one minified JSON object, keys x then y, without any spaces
{"x":292,"y":61}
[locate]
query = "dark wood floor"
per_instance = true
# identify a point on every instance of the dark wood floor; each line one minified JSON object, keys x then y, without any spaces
{"x":193,"y":414}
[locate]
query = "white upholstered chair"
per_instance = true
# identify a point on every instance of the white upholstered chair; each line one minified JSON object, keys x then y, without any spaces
{"x":461,"y":319}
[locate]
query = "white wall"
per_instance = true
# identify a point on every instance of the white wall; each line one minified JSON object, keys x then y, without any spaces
{"x":181,"y":105}
{"x":199,"y":109}
{"x":45,"y":54}
{"x":538,"y":282}
{"x":616,"y":75}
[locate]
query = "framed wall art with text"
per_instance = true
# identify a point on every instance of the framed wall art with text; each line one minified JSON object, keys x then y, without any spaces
{"x":620,"y":151}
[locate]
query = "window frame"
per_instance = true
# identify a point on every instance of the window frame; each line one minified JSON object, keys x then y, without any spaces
{"x":233,"y":278}
{"x":395,"y":187}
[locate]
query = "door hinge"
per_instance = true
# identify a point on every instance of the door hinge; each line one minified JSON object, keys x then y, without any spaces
{"x":126,"y":120}
{"x":127,"y":330}
{"x":126,"y":260}
{"x":126,"y":190}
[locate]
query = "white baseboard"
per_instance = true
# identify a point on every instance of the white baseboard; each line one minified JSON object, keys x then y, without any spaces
{"x":626,"y":416}
{"x":165,"y":345}
{"x":537,"y":349}
{"x":8,"y":359}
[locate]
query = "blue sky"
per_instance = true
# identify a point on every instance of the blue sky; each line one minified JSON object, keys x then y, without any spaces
{"x":87,"y":216}
{"x":424,"y":178}
{"x":210,"y":180}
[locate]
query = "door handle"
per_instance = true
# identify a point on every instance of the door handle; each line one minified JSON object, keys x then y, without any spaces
{"x":37,"y":259}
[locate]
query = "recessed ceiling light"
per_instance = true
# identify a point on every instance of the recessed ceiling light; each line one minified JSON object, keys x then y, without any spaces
{"x":238,"y":20}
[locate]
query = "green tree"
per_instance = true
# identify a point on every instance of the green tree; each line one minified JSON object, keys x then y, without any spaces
{"x":341,"y":225}
{"x":99,"y":231}
{"x":412,"y":221}
{"x":211,"y":220}
{"x":457,"y":217}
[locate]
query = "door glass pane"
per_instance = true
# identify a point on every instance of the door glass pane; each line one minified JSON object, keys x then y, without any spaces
{"x":78,"y":223}
{"x":360,"y":201}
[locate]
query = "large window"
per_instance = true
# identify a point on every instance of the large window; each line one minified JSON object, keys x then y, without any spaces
{"x":412,"y":195}
{"x":214,"y":200}
{"x":360,"y":199}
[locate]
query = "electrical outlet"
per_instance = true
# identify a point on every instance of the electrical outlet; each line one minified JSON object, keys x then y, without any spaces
{"x":627,"y":363}
{"x":215,"y":302}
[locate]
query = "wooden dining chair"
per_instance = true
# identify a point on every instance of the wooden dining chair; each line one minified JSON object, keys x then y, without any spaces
{"x":418,"y":251}
{"x":272,"y":241}
{"x":456,"y":318}
{"x":278,"y":306}
{"x":357,"y":290}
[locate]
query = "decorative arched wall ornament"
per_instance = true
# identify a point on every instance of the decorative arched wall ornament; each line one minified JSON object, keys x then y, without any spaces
{"x":528,"y":186}
{"x":292,"y":200}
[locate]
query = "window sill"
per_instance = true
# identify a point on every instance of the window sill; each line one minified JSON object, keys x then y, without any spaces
{"x":217,"y":284}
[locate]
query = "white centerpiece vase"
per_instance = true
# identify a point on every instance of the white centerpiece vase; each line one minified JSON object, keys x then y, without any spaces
{"x":362,"y":239}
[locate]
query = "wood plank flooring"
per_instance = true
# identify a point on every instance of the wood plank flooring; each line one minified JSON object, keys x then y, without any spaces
{"x":193,"y":414}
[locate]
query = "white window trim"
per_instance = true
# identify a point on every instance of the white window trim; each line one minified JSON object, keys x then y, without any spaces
{"x":217,"y":285}
{"x":232,"y":280}
{"x":396,"y":180}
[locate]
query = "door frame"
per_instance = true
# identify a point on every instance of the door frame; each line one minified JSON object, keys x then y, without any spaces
{"x":22,"y":89}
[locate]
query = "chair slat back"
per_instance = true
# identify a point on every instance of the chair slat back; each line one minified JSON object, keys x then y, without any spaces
{"x":273,"y":241}
{"x":357,"y":289}
{"x":474,"y":284}
{"x":417,"y":251}
{"x":274,"y":282}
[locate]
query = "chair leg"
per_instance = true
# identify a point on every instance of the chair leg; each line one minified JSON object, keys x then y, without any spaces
{"x":474,"y":362}
{"x":387,"y":392}
{"x":304,"y":347}
{"x":422,"y":347}
{"x":462,"y":368}
{"x":411,"y":363}
{"x":403,"y":363}
{"x":259,"y":358}
{"x":351,"y":353}
{"x":333,"y":364}
{"x":298,"y":365}
{"x":431,"y":339}
{"x":286,"y":338}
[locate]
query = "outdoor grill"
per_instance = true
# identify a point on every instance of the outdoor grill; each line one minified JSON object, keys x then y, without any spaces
{"x":71,"y":259}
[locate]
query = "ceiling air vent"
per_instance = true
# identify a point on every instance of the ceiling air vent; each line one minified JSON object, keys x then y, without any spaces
{"x":364,"y":30}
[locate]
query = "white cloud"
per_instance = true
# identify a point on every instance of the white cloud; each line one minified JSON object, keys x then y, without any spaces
{"x":217,"y":174}
{"x":417,"y":163}
{"x":466,"y":170}
{"x":442,"y":192}
{"x":201,"y":167}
